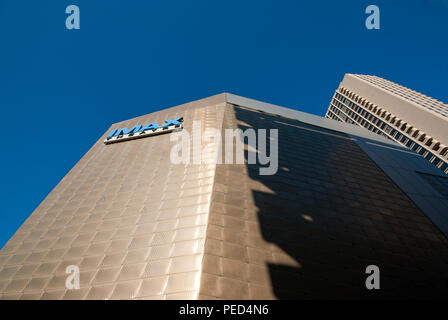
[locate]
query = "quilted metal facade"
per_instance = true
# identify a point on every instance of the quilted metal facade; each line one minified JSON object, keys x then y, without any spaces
{"x":140,"y":227}
{"x":133,"y":222}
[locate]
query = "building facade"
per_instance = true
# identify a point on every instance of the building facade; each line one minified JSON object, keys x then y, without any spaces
{"x":412,"y":119}
{"x":139,"y":226}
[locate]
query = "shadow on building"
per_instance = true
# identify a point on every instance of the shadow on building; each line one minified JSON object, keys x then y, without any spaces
{"x":330,"y":212}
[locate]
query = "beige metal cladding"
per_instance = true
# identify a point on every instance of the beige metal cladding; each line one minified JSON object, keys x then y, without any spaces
{"x":310,"y":230}
{"x":140,"y":227}
{"x":133,"y":222}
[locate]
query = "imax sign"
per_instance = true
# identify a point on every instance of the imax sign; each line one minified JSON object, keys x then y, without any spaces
{"x":138,"y":131}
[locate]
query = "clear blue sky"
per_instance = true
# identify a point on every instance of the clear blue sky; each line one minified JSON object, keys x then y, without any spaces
{"x":61,"y":89}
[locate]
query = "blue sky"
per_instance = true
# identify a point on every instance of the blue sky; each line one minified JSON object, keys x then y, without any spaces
{"x":61,"y":89}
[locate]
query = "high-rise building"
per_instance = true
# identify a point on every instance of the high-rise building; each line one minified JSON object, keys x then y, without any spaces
{"x":412,"y":119}
{"x":138,"y":225}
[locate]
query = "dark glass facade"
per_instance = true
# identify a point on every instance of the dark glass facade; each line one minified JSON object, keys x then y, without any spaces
{"x":310,"y":230}
{"x":139,"y":226}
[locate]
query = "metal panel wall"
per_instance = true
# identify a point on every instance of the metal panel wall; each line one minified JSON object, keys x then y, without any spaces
{"x":131,"y":220}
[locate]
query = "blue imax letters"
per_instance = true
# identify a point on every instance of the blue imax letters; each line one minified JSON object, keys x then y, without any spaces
{"x":175,"y":122}
{"x":139,"y":131}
